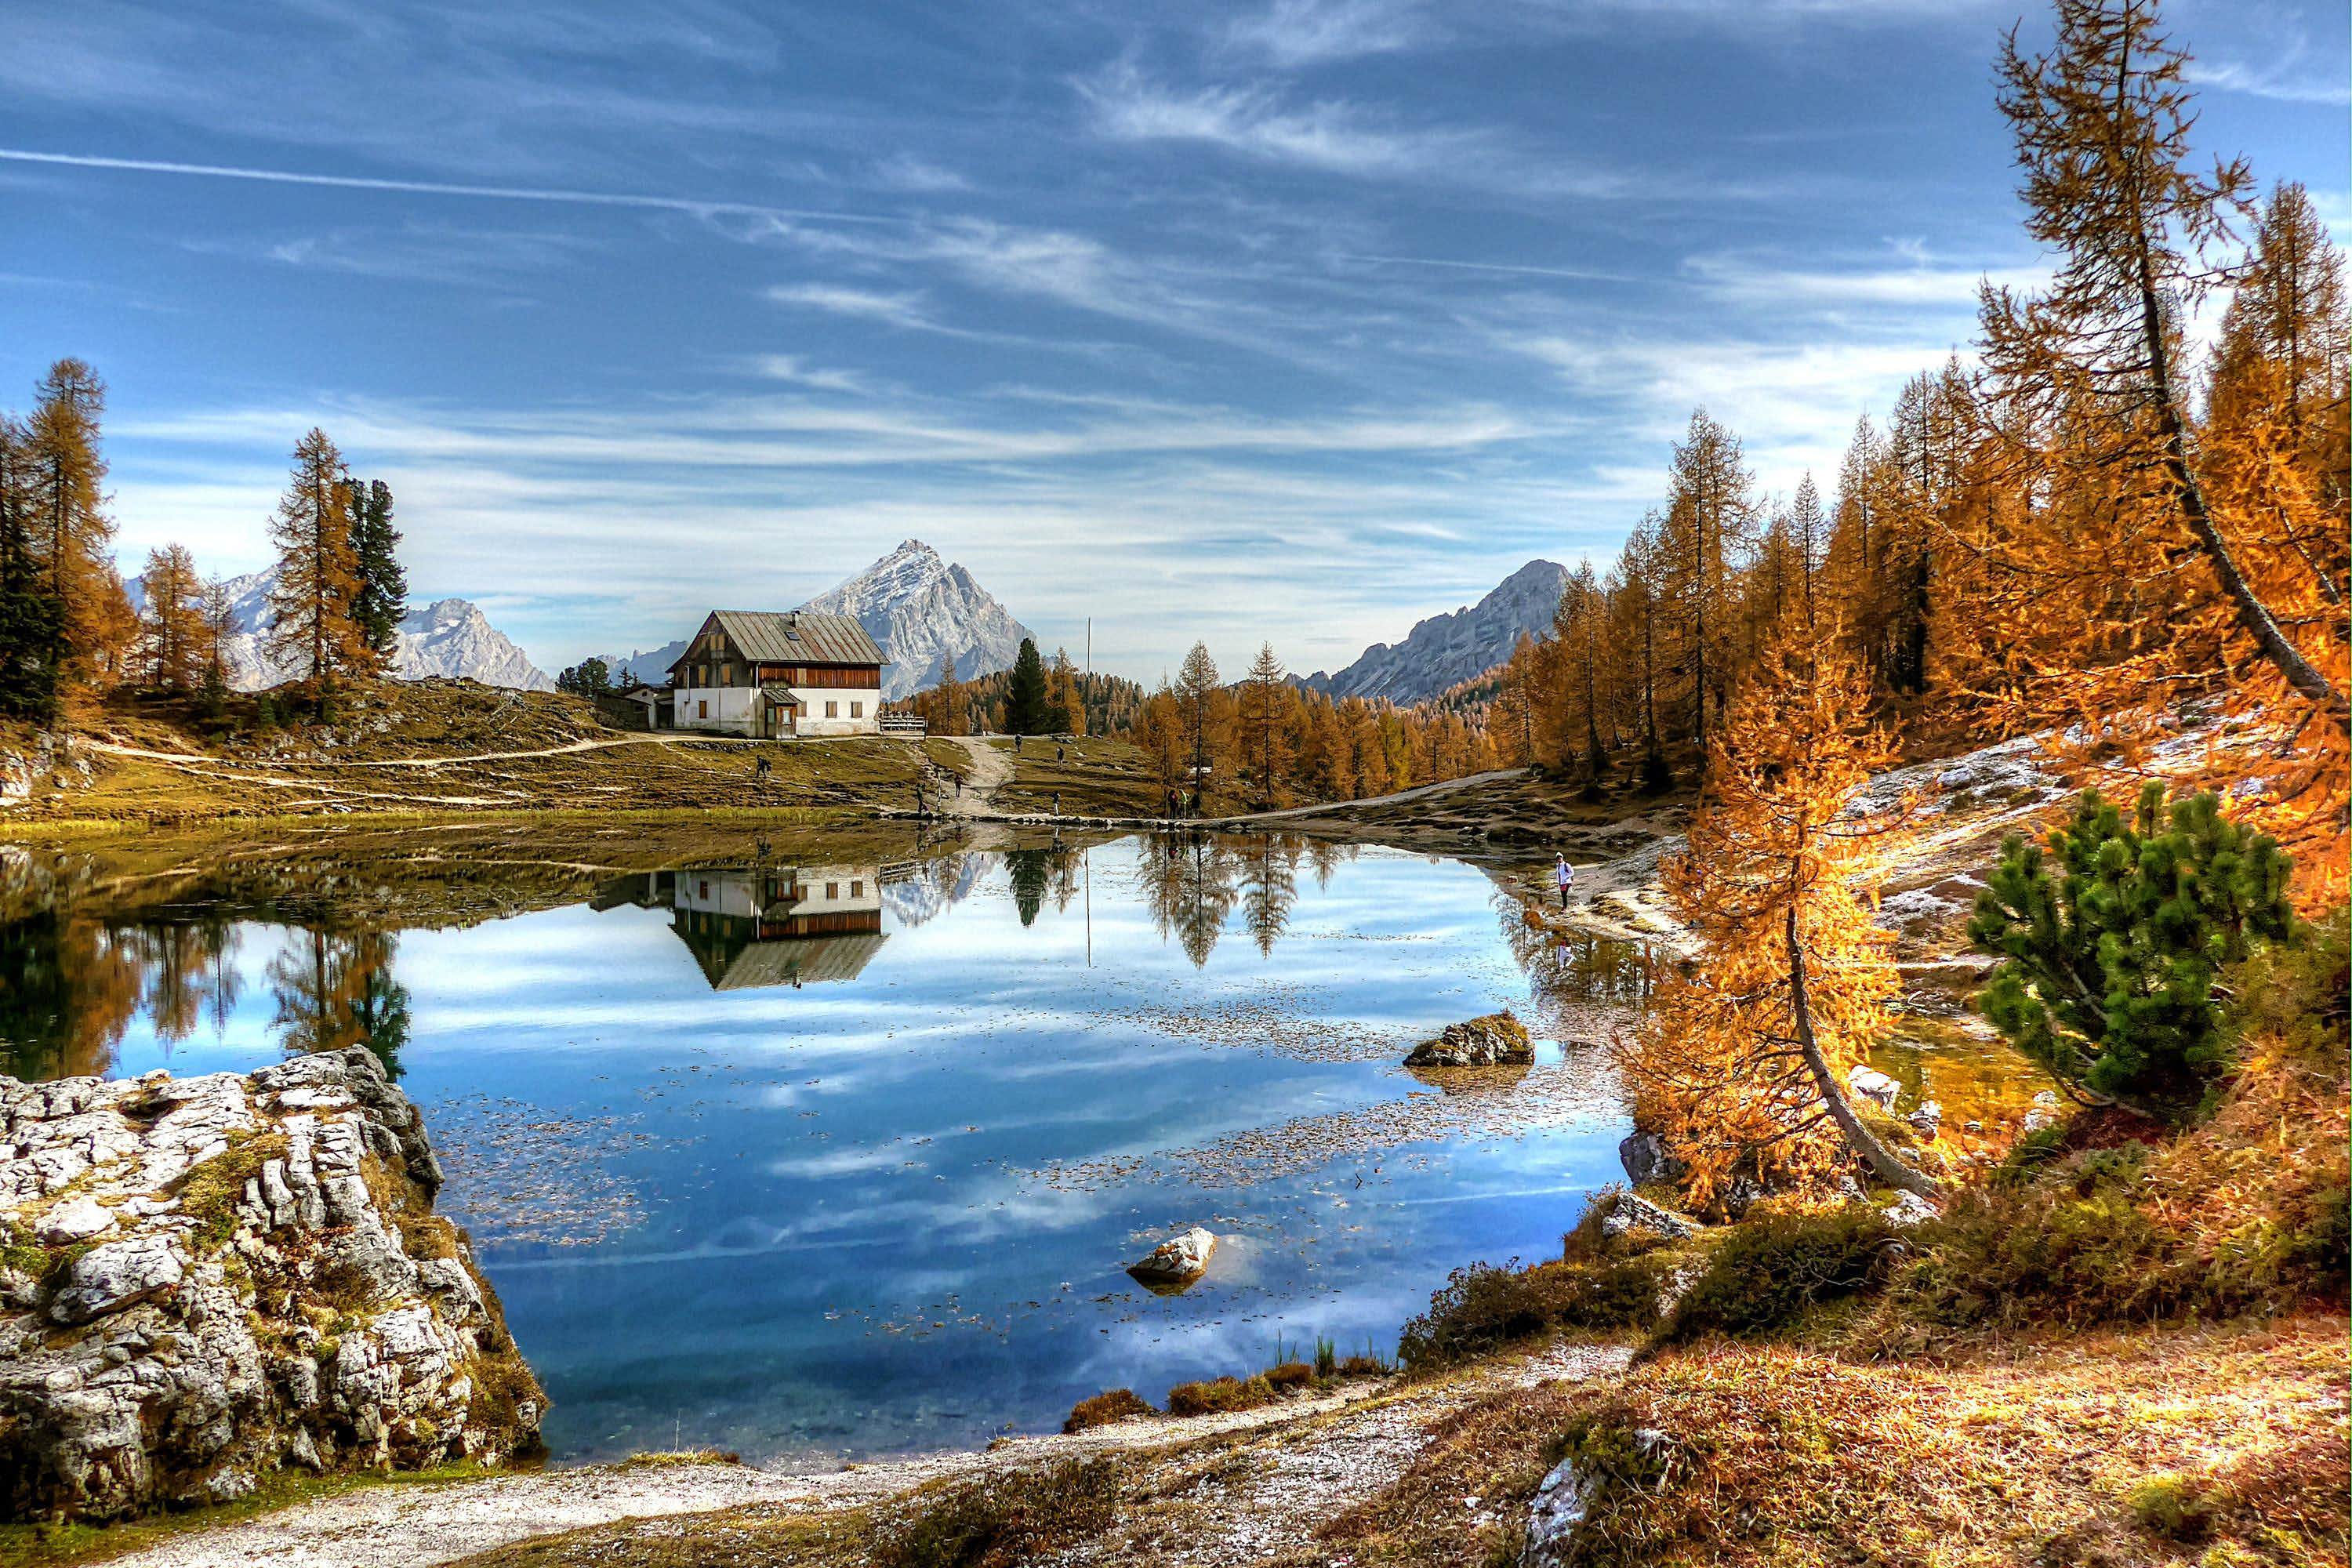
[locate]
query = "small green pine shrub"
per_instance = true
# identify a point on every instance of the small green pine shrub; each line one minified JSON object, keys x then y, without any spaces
{"x":1006,"y":1520}
{"x":1774,"y":1266}
{"x":1484,"y":1306}
{"x":2110,"y":963}
{"x":2170,"y":1505}
{"x":1114,"y":1405}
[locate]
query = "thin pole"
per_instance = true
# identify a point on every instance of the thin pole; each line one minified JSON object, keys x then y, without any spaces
{"x":1086,"y":714}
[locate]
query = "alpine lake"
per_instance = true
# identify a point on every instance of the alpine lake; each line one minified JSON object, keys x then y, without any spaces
{"x":828,"y":1146}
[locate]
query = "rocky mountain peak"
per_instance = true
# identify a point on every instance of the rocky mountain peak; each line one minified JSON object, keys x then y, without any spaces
{"x":925,"y":610}
{"x":1443,"y":649}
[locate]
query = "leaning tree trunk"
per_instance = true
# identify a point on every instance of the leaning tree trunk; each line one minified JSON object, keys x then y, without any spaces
{"x":2253,"y":614}
{"x":1859,"y":1138}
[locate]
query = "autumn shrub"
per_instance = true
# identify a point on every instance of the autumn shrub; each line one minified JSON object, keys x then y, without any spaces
{"x":1112,"y":1404}
{"x":1217,"y":1395}
{"x":1006,"y":1520}
{"x":1775,"y":1266}
{"x":1289,"y":1375}
{"x":1484,"y":1306}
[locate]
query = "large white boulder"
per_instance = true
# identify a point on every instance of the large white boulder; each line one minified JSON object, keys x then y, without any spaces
{"x":1178,"y":1261}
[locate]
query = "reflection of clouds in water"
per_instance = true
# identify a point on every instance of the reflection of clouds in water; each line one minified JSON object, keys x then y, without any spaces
{"x":842,"y":1238}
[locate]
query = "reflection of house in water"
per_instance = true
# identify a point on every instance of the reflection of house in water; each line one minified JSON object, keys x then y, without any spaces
{"x":769,"y":925}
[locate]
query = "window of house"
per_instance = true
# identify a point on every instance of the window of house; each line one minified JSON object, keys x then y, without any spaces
{"x":857,"y":709}
{"x":726,"y":675}
{"x":856,"y":889}
{"x":833,"y":709}
{"x":702,"y":710}
{"x":831,"y":891}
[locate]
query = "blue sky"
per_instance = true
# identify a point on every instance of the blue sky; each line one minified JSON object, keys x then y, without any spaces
{"x":1296,"y":320}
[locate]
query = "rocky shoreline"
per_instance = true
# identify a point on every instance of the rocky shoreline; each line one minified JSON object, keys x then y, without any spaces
{"x":207,"y":1280}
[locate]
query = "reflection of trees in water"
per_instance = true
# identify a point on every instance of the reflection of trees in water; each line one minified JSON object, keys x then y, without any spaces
{"x":335,"y":989}
{"x":1269,"y":887}
{"x":69,"y":987}
{"x":1037,"y":872}
{"x":63,"y":1001}
{"x":189,"y":973}
{"x":1577,"y":969}
{"x":1192,"y":883}
{"x":1029,"y":874}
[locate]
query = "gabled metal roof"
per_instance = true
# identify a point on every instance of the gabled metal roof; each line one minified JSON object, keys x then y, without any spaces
{"x":797,"y":636}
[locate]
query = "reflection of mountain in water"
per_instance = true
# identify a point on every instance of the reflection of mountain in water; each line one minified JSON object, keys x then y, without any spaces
{"x":919,"y":890}
{"x":769,"y":925}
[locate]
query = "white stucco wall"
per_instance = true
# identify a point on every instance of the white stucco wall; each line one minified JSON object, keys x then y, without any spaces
{"x":732,"y":710}
{"x":869,"y":706}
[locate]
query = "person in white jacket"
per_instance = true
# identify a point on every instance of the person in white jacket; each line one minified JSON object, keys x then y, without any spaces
{"x":1565,"y":874}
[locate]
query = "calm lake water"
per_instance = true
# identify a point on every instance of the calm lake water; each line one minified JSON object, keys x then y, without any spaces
{"x":812,"y":1156}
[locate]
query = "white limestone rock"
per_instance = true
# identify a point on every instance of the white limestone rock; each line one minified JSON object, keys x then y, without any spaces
{"x":169,"y":1353}
{"x":1178,"y":1260}
{"x":1869,"y":1083}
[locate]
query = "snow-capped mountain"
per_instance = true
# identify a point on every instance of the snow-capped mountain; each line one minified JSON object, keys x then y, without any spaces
{"x":1451,"y":647}
{"x":923,"y":611}
{"x":448,"y":636}
{"x":453,"y":637}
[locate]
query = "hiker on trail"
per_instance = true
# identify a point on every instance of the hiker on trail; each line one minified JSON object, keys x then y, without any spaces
{"x":1016,"y":745}
{"x":1566,"y":875}
{"x":1061,"y":754}
{"x":759,"y":772}
{"x":1057,"y":802}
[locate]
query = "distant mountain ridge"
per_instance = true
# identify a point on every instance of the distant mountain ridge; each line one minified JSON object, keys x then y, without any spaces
{"x":921,"y":609}
{"x":448,"y":637}
{"x":1444,"y":650}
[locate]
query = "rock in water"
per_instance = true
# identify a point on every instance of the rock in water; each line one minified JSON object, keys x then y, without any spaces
{"x":209,"y":1278}
{"x":1178,"y":1260}
{"x":1497,"y":1039}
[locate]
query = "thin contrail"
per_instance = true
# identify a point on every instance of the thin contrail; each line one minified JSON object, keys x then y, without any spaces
{"x":1486,"y":267}
{"x":437,"y":188}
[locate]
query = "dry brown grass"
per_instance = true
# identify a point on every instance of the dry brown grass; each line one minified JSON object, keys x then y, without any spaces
{"x":2031,"y":1456}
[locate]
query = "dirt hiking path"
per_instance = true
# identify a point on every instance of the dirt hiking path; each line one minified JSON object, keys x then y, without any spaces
{"x":1312,"y":1454}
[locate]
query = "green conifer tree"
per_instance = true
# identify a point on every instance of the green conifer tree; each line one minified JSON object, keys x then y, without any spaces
{"x":2109,"y":963}
{"x":1025,"y":710}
